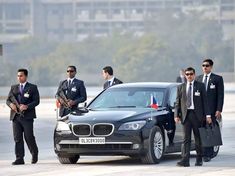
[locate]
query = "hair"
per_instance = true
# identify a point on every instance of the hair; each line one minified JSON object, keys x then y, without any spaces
{"x":108,"y":69}
{"x":73,"y":67}
{"x":190,"y":69}
{"x":209,"y":61}
{"x":25,"y":71}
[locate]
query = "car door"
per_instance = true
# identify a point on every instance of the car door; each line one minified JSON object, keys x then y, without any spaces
{"x":178,"y":135}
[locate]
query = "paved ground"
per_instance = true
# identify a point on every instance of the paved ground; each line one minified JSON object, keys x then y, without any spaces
{"x":223,"y":164}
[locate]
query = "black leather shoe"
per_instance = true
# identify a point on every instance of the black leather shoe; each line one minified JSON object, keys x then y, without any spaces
{"x":34,"y":159}
{"x":18,"y":162}
{"x":183,"y":164}
{"x":198,"y":162}
{"x":206,"y":159}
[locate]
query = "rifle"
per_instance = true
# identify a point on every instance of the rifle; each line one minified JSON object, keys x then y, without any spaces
{"x":15,"y":102}
{"x":63,"y":99}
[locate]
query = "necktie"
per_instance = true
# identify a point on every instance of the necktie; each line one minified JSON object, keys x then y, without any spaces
{"x":21,"y":89}
{"x":69,"y":84}
{"x":205,"y":81}
{"x":189,"y":98}
{"x":109,"y":83}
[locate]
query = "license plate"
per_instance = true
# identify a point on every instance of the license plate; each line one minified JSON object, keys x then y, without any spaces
{"x":92,"y":140}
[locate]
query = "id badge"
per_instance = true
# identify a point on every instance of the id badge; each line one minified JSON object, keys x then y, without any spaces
{"x":74,"y":89}
{"x":197,"y":93}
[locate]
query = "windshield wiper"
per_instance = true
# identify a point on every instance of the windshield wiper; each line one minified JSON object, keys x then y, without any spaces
{"x":122,"y":107}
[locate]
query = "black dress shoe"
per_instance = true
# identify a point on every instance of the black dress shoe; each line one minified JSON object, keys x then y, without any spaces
{"x":198,"y":162}
{"x":18,"y":162}
{"x":183,"y":164}
{"x":206,"y":159}
{"x":34,"y":159}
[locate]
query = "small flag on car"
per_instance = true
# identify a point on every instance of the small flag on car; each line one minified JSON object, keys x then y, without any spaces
{"x":153,"y":102}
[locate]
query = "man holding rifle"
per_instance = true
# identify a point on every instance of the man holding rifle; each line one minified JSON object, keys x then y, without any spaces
{"x":22,"y":99}
{"x":71,"y":92}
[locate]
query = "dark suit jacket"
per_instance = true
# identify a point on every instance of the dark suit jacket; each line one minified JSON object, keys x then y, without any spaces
{"x":115,"y":81}
{"x":199,"y":100}
{"x":215,"y":92}
{"x":30,"y":97}
{"x":76,"y":92}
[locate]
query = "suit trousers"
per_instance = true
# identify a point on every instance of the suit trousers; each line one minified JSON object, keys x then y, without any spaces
{"x":24,"y":127}
{"x":190,"y":124}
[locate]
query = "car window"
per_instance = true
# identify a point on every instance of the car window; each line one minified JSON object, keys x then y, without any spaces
{"x":173,"y":96}
{"x":129,"y":97}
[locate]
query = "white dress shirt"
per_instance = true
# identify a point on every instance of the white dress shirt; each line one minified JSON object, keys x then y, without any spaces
{"x":208,"y":77}
{"x":110,"y":81}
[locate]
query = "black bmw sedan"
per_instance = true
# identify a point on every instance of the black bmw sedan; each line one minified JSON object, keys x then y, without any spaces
{"x":133,"y":119}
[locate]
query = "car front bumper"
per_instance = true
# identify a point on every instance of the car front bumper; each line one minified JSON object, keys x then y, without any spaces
{"x":119,"y":143}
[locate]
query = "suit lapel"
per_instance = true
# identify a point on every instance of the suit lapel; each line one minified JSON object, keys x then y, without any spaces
{"x":194,"y":89}
{"x":210,"y":81}
{"x":26,"y":88}
{"x":114,"y":82}
{"x":184,"y":96}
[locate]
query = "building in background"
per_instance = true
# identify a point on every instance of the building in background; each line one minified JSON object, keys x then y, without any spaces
{"x":74,"y":20}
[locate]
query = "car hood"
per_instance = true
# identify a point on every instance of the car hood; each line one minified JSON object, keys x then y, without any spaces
{"x":114,"y":115}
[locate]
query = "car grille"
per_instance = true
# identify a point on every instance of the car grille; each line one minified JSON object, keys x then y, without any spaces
{"x":82,"y":130}
{"x":103,"y":129}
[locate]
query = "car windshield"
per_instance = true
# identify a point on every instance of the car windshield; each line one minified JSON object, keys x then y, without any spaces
{"x":128,"y":98}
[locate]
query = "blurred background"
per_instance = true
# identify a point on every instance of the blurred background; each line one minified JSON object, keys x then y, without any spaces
{"x":143,"y":40}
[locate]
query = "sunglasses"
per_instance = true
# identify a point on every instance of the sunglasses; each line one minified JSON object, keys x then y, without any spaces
{"x":189,"y":74}
{"x":205,"y":65}
{"x":70,"y":71}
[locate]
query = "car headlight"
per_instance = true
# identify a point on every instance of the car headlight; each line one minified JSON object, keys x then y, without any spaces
{"x":136,"y":125}
{"x":62,"y":126}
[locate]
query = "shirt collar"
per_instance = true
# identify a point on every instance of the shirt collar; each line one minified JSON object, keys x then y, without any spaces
{"x":111,"y":79}
{"x":23,"y":84}
{"x":71,"y":79}
{"x":208,"y":75}
{"x":189,"y":83}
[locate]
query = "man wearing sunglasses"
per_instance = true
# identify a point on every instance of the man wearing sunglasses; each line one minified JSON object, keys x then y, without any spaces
{"x":215,"y":94}
{"x":191,"y":110}
{"x":74,"y":91}
{"x":22,"y":99}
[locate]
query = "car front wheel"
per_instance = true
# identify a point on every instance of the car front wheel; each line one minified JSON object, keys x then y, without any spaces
{"x":68,"y":160}
{"x":215,"y":151}
{"x":155,"y":147}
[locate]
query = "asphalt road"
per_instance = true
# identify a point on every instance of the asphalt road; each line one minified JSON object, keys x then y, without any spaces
{"x":223,"y":164}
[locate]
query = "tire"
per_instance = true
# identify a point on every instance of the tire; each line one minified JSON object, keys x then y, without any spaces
{"x":68,"y":160}
{"x":215,"y":151}
{"x":155,"y":147}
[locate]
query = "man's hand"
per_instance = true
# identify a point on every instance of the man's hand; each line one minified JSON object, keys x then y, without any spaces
{"x":71,"y":103}
{"x":218,"y":115}
{"x":23,"y":107}
{"x":177,"y":120}
{"x":208,"y":120}
{"x":13,"y":107}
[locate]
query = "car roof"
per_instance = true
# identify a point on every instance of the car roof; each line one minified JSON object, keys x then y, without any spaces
{"x":146,"y":84}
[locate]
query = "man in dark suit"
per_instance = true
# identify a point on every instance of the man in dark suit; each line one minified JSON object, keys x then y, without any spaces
{"x":22,"y":99}
{"x":110,"y":79}
{"x":215,"y":94}
{"x":73,"y":90}
{"x":181,"y":78}
{"x":191,"y":109}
